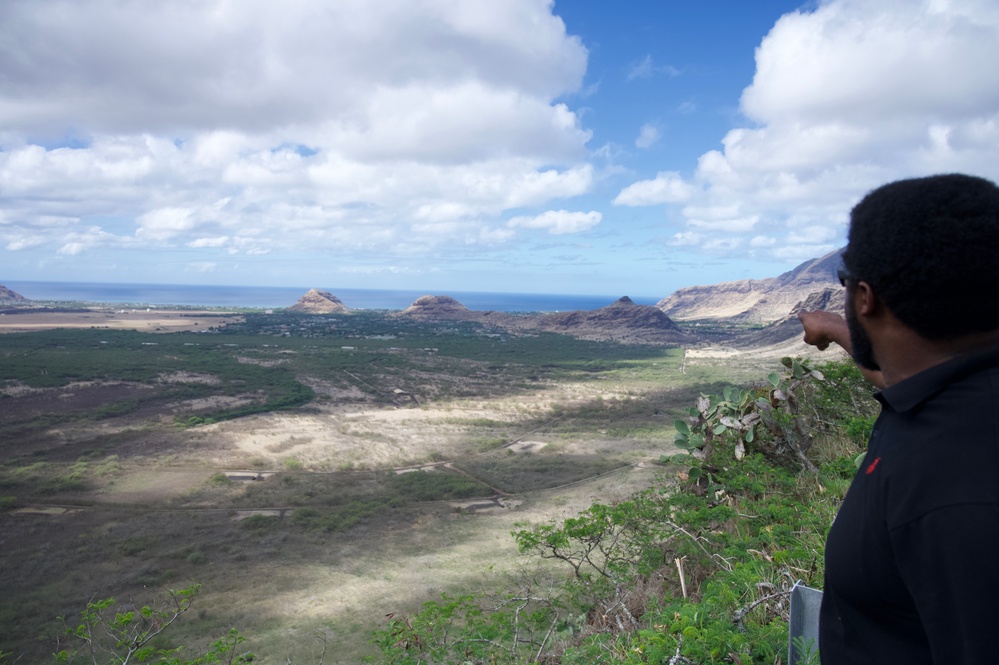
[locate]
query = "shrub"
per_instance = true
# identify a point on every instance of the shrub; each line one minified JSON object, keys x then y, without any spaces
{"x":695,"y":570}
{"x":113,"y":633}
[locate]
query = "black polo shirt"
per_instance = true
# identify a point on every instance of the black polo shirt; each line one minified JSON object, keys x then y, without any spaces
{"x":912,"y":559}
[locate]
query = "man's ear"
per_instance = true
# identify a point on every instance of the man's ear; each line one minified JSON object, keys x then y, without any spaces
{"x":865,"y":301}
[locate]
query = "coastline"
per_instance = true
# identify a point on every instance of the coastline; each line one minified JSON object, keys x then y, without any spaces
{"x":191,"y":295}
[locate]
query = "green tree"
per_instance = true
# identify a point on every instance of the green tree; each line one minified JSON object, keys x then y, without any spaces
{"x":113,"y":634}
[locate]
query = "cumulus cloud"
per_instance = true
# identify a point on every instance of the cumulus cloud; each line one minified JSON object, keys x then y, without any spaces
{"x":847,"y":96}
{"x":254,"y":127}
{"x":648,"y":136}
{"x":141,"y":65}
{"x":559,"y":222}
{"x":666,"y":187}
{"x":402,"y":131}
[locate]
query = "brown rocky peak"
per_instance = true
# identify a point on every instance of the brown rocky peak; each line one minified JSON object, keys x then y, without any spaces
{"x":625,"y":312}
{"x":623,"y":320}
{"x":319,"y":302}
{"x":438,"y":307}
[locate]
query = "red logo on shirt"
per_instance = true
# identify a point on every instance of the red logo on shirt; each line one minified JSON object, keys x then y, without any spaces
{"x":873,"y":465}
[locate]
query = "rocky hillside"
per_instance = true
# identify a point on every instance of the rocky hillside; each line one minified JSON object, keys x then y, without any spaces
{"x":319,"y":302}
{"x":754,"y":300}
{"x":7,"y":296}
{"x":788,"y":327}
{"x":622,"y":321}
{"x":446,"y":308}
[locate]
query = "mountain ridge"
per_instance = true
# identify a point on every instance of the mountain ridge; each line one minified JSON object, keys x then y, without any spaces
{"x":754,"y":300}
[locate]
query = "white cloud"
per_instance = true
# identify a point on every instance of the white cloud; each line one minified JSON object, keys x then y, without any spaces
{"x":26,"y":242}
{"x":393,"y":131}
{"x":559,"y":222}
{"x":811,"y":235}
{"x":687,"y":107}
{"x":846,"y":97}
{"x":857,"y":62}
{"x":646,"y":69}
{"x":716,"y":244}
{"x":648,"y":136}
{"x":153,"y":65}
{"x":219,"y":241}
{"x":727,"y":225}
{"x":857,"y":84}
{"x":349,"y":127}
{"x":75,"y":242}
{"x":686,"y":239}
{"x":667,"y":187}
{"x":164,"y":223}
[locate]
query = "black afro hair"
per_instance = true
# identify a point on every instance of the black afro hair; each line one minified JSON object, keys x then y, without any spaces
{"x":929,"y":248}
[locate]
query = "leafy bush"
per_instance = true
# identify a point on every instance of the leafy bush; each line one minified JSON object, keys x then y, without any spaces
{"x":440,"y":485}
{"x":781,"y":420}
{"x":112,"y":633}
{"x":342,"y":517}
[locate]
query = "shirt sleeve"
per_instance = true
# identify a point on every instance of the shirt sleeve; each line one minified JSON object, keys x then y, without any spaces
{"x":947,"y":559}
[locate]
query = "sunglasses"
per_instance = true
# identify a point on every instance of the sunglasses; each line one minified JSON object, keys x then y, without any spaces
{"x":844,"y":274}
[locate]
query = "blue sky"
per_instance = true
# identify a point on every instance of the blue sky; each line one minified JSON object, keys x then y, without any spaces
{"x":471,"y":145}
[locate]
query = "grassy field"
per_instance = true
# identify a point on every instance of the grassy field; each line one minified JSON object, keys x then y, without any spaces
{"x":312,"y":473}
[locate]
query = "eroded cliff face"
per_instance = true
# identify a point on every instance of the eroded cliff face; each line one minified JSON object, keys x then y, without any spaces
{"x":319,"y":302}
{"x":788,"y":326}
{"x":754,"y":300}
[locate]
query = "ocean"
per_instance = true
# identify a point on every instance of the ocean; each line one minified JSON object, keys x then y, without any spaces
{"x":285,"y":296}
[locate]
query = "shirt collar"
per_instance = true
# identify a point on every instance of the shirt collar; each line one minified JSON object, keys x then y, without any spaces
{"x":907,"y":394}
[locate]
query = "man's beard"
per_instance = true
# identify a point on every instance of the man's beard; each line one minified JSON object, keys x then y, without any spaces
{"x":863,"y":352}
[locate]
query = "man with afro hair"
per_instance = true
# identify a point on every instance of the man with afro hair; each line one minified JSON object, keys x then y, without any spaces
{"x":911,"y":573}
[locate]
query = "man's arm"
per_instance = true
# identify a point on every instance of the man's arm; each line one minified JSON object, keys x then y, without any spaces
{"x":823,"y":328}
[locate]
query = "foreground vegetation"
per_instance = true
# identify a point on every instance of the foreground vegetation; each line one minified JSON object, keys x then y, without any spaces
{"x":697,"y":569}
{"x":704,"y":556}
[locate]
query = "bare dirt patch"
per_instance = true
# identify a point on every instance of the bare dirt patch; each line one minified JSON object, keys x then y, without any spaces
{"x":215,"y":402}
{"x":151,"y":320}
{"x":189,"y":377}
{"x":356,"y":436}
{"x":151,"y":486}
{"x":45,"y":510}
{"x":527,"y":446}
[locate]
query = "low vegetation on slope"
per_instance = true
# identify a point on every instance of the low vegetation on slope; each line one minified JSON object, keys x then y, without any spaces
{"x":695,"y":570}
{"x":111,"y":484}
